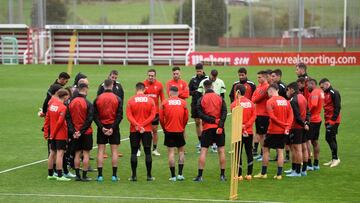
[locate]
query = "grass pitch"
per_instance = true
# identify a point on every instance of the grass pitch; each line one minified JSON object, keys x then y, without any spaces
{"x":22,"y":91}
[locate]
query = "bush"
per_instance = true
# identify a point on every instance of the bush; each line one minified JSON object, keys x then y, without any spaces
{"x":210,"y":19}
{"x":56,"y":12}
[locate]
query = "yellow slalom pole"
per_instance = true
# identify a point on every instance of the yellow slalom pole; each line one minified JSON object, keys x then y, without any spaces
{"x":73,"y":40}
{"x":236,"y":132}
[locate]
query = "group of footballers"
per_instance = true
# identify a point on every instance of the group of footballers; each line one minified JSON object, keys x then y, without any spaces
{"x":283,"y":115}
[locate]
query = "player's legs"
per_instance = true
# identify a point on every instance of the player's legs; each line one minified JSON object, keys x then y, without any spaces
{"x":260,"y":140}
{"x":248,"y":149}
{"x":305,"y":157}
{"x":59,"y":162}
{"x":280,"y":161}
{"x":240,"y":156}
{"x":331,"y":132}
{"x":316,"y":147}
{"x":51,"y":161}
{"x":256,"y":145}
{"x":133,"y":161}
{"x":114,"y":160}
{"x":147,"y":140}
{"x":100,"y":159}
{"x":202,"y":159}
{"x":308,"y":145}
{"x":261,"y":123}
{"x":206,"y":141}
{"x":181,"y":161}
{"x":155,"y":140}
{"x":265,"y":160}
{"x":77,"y":164}
{"x":298,"y":157}
{"x":287,"y":153}
{"x":198,"y":126}
{"x":222,"y":161}
{"x":86,"y":158}
{"x":171,"y":160}
{"x":134,"y":144}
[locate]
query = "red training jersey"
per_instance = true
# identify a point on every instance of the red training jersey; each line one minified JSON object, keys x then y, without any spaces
{"x":174,"y":114}
{"x":315,"y":104}
{"x":107,"y":109}
{"x":212,"y":110}
{"x":140,"y":111}
{"x":249,"y":113}
{"x":280,"y":113}
{"x":259,"y":98}
{"x":299,"y":107}
{"x":155,"y":91}
{"x":55,"y":122}
{"x":81,"y":114}
{"x":181,"y":85}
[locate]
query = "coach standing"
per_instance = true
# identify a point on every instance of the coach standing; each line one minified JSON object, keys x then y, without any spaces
{"x":108,"y":114}
{"x":195,"y":96}
{"x":332,"y":107}
{"x":212,"y":111}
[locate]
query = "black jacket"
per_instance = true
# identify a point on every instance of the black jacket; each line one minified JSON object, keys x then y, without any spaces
{"x":193,"y":86}
{"x":51,"y":91}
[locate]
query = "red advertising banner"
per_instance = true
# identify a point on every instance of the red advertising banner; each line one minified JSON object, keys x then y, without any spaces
{"x":275,"y":58}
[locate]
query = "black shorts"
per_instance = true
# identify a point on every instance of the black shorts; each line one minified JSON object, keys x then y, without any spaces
{"x":136,"y":137}
{"x":156,"y":120}
{"x":174,"y":139}
{"x":85,"y":142}
{"x":314,"y":131}
{"x":275,"y":141}
{"x":296,"y":136}
{"x":58,"y":145}
{"x":113,"y":139}
{"x":194,"y":112}
{"x":209,"y":136}
{"x":304,"y":138}
{"x":262,"y":124}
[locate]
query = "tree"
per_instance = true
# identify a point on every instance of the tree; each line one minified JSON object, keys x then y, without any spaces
{"x":56,"y":12}
{"x":262,"y":23}
{"x":210,"y":19}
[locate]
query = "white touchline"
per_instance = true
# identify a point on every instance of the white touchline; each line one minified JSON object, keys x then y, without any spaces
{"x":40,"y":161}
{"x":129,"y":198}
